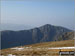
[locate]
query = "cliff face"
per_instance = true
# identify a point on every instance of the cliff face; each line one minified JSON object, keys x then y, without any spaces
{"x":44,"y":33}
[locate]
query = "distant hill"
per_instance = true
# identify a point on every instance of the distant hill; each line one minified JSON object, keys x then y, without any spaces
{"x":45,"y":33}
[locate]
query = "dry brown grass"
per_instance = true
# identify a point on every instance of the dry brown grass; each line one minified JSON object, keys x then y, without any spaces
{"x":65,"y":43}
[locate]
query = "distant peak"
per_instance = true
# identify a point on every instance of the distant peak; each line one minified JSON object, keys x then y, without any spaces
{"x":47,"y":25}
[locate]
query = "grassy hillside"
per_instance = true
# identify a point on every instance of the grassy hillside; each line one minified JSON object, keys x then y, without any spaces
{"x":40,"y":48}
{"x":65,"y":43}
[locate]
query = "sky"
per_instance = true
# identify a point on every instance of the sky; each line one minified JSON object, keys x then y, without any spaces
{"x":38,"y":13}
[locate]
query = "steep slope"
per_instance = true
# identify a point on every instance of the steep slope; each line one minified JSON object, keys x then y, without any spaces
{"x":66,"y":36}
{"x":44,"y":33}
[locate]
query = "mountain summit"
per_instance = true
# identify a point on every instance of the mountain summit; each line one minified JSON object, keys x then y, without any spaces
{"x":44,"y":33}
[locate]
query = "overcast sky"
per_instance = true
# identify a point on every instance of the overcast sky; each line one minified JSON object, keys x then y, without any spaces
{"x":37,"y":13}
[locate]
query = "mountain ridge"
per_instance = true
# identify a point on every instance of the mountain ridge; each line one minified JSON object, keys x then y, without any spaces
{"x":44,"y":33}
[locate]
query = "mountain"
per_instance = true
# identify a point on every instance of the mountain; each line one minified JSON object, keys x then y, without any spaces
{"x":44,"y":33}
